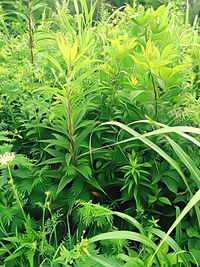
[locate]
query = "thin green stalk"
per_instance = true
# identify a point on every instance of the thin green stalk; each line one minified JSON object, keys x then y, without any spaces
{"x":14,"y":189}
{"x":68,"y":228}
{"x":43,"y":213}
{"x":41,"y":264}
{"x":30,"y":31}
{"x":43,"y":218}
{"x":187,"y":13}
{"x":54,"y":230}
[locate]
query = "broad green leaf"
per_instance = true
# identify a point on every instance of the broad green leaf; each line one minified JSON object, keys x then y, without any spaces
{"x":94,"y":183}
{"x":165,"y":200}
{"x":63,"y":182}
{"x":171,"y":184}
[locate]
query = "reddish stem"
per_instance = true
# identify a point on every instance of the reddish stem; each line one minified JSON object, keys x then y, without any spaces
{"x":70,"y":129}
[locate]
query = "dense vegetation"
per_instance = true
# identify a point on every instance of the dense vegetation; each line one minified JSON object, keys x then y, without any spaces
{"x":99,"y":140}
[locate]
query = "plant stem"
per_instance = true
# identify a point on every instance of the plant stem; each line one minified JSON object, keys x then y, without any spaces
{"x":14,"y":189}
{"x":43,"y":221}
{"x":68,"y":228}
{"x":155,"y":93}
{"x":70,"y":128}
{"x":43,"y":214}
{"x":54,"y":232}
{"x":30,"y":30}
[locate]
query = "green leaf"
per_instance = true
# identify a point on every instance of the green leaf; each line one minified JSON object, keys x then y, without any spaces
{"x":63,"y":182}
{"x":105,"y":262}
{"x":55,"y":63}
{"x":124,"y":235}
{"x":18,"y":14}
{"x":165,"y":200}
{"x":96,"y":184}
{"x":195,"y":255}
{"x":18,"y":252}
{"x":131,"y":220}
{"x":194,"y":200}
{"x":189,"y":163}
{"x":53,"y":161}
{"x":192,"y":232}
{"x":84,"y":170}
{"x":30,"y":255}
{"x":129,"y":236}
{"x":131,"y":261}
{"x":153,"y":146}
{"x":182,"y":254}
{"x":171,"y":184}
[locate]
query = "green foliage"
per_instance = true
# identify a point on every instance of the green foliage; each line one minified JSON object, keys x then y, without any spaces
{"x":96,"y":167}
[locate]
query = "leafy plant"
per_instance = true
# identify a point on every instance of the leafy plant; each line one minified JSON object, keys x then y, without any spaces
{"x":97,"y":167}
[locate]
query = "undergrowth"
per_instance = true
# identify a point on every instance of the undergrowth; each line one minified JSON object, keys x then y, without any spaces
{"x":99,"y":140}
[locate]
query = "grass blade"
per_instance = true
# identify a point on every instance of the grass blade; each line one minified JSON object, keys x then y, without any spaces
{"x":105,"y":262}
{"x":194,"y":200}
